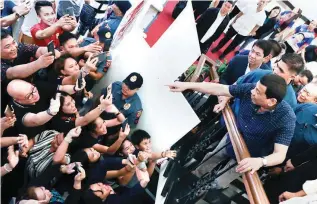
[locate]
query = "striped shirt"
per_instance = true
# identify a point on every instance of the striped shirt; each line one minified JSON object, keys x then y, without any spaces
{"x":40,"y":156}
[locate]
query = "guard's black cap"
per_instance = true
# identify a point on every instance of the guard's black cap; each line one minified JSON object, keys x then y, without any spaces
{"x":133,"y":81}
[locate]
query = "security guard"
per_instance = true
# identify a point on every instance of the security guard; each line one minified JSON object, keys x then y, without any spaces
{"x":126,"y":99}
{"x":305,"y":134}
{"x":107,"y":28}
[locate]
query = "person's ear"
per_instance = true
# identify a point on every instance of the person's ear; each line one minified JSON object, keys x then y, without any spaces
{"x":272,"y":102}
{"x":63,"y":72}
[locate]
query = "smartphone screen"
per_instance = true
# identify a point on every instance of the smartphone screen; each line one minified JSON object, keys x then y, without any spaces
{"x":70,"y":11}
{"x":80,"y":80}
{"x":50,"y":48}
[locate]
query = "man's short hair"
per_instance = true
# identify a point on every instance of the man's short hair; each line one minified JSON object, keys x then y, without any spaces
{"x":65,"y":36}
{"x":275,"y":86}
{"x":276,"y":48}
{"x":307,"y":73}
{"x":264,"y":45}
{"x":138,"y":136}
{"x":4,"y":33}
{"x":294,"y":62}
{"x":231,"y":2}
{"x":39,"y":4}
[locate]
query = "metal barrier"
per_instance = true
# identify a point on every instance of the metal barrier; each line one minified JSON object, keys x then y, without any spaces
{"x":195,"y":145}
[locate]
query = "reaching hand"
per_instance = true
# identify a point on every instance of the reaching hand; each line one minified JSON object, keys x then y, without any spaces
{"x":105,"y":102}
{"x":177,"y":87}
{"x":69,"y":169}
{"x":7,"y":122}
{"x":75,"y":132}
{"x":64,"y":20}
{"x":125,"y":133}
{"x":13,"y":157}
{"x":81,"y":175}
{"x":93,"y":48}
{"x":23,"y":140}
{"x":45,"y":60}
{"x":55,"y":104}
{"x":91,"y":63}
{"x":286,"y":196}
{"x":289,"y":166}
{"x":170,"y":154}
{"x":77,"y":88}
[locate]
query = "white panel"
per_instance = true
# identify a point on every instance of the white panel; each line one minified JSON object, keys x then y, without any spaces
{"x":179,"y":44}
{"x":308,"y":7}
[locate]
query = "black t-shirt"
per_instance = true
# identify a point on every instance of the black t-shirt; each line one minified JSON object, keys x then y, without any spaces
{"x":85,"y":140}
{"x":26,"y":54}
{"x":63,"y":122}
{"x":311,"y":53}
{"x":46,"y":92}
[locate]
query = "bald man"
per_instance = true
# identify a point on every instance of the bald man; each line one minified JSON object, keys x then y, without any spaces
{"x":308,"y":94}
{"x":35,"y":105}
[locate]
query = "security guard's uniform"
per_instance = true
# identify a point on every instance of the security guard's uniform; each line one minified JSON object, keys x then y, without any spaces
{"x":130,"y":107}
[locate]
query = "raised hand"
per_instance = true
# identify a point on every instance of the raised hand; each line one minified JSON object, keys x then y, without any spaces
{"x":45,"y":60}
{"x":125,"y":133}
{"x":75,"y":132}
{"x":13,"y":157}
{"x":7,"y":122}
{"x":83,"y":85}
{"x":55,"y":104}
{"x":91,"y":63}
{"x":93,"y":48}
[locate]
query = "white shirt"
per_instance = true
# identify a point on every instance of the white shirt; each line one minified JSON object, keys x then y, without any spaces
{"x":310,"y":188}
{"x":249,"y":20}
{"x":29,"y":21}
{"x":213,"y":27}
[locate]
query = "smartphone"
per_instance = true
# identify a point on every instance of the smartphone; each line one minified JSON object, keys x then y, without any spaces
{"x":50,"y":48}
{"x":9,"y":111}
{"x":80,"y":80}
{"x":70,"y":11}
{"x":109,"y":88}
{"x":76,"y":168}
{"x":101,"y":57}
{"x":124,"y":123}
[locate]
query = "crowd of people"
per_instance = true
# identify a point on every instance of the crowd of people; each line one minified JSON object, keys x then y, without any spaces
{"x":272,"y":93}
{"x":52,"y":152}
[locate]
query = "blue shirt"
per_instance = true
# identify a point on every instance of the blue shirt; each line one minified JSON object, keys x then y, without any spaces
{"x":306,"y":124}
{"x":261,"y":130}
{"x":256,"y":75}
{"x":113,"y":23}
{"x":131,"y":107}
{"x":7,"y":10}
{"x":308,"y":38}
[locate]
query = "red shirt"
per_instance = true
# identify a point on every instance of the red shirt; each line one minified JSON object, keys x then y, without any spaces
{"x":44,"y":42}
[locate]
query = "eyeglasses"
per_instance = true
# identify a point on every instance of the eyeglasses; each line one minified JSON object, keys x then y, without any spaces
{"x":29,"y":96}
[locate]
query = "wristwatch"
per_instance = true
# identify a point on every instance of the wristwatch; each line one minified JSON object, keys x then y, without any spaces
{"x":118,"y":113}
{"x":264,"y":161}
{"x":17,"y":15}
